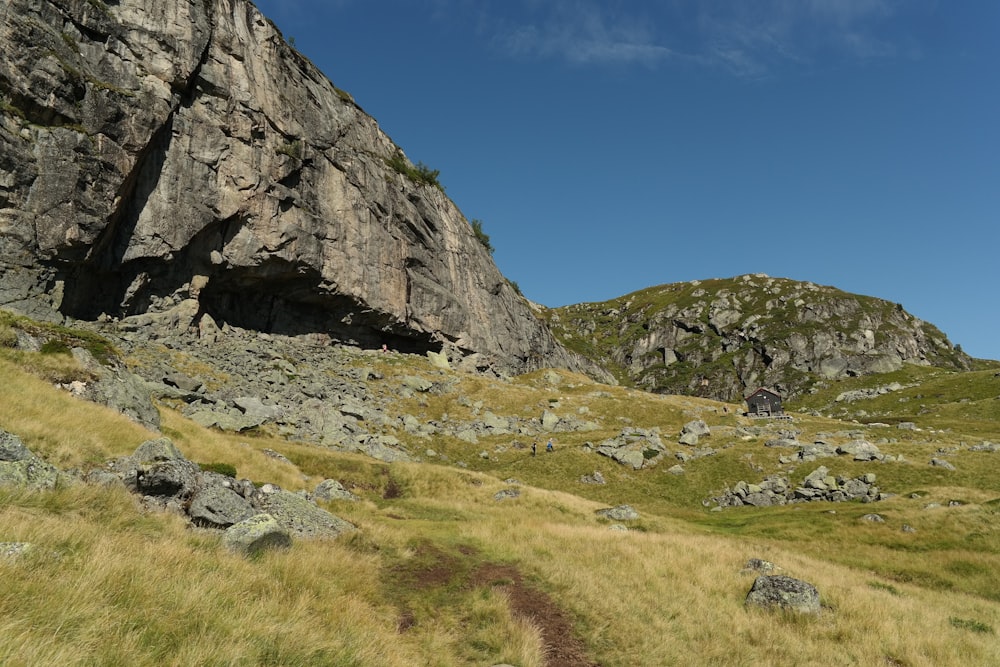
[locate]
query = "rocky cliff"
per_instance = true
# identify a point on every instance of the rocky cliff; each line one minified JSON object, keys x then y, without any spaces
{"x":721,"y":338}
{"x":180,"y":163}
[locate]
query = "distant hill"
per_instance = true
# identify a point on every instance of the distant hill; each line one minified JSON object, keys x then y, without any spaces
{"x":721,"y":338}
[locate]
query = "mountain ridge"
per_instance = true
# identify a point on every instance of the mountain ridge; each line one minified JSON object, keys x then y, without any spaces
{"x":722,"y":338}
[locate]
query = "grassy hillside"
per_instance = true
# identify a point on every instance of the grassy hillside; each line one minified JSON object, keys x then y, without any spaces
{"x":442,"y":573}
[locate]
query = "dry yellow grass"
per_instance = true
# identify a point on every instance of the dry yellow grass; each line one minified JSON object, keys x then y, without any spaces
{"x":65,"y":430}
{"x":109,"y":585}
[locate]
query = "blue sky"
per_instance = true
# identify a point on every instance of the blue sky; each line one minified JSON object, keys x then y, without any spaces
{"x":612,"y":146}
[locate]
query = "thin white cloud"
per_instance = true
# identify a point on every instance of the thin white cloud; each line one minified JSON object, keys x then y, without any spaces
{"x":773,"y":33}
{"x":746,"y":39}
{"x":582,"y":32}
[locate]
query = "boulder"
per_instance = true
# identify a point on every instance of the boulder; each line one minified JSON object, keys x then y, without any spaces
{"x":12,"y":449}
{"x":175,"y":478}
{"x":118,"y":389}
{"x":619,"y":513}
{"x":19,"y":467}
{"x":30,"y":473}
{"x":636,"y":448}
{"x":861,"y":450}
{"x":331,"y":489}
{"x":215,"y":505}
{"x":255,"y":534}
{"x":506,"y":494}
{"x":160,"y":449}
{"x":759,"y":565}
{"x":300,"y":516}
{"x":941,"y":463}
{"x":772,"y":591}
{"x":698,"y":427}
{"x":690,"y":439}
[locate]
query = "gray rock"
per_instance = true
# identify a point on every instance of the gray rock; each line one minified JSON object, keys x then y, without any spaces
{"x":417,"y":384}
{"x":697,"y":427}
{"x":861,"y":450}
{"x":619,"y":513}
{"x":277,"y":456}
{"x":175,"y":478}
{"x":183,"y":382}
{"x":225,"y":420}
{"x":301,"y":517}
{"x":759,"y":565}
{"x":160,"y":449}
{"x":15,"y":550}
{"x":779,"y":591}
{"x":943,"y":464}
{"x":550,"y":421}
{"x":217,"y":506}
{"x":330,"y":490}
{"x":506,"y":494}
{"x":874,"y":518}
{"x":102,"y":478}
{"x":782,"y":442}
{"x":690,"y":439}
{"x":255,"y":534}
{"x":636,"y":448}
{"x":12,"y":449}
{"x":817,"y":479}
{"x":255,"y":410}
{"x":30,"y":473}
{"x":760,"y":499}
{"x":120,"y":390}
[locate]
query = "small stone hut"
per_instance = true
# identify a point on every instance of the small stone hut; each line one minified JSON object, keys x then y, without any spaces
{"x":764,"y":403}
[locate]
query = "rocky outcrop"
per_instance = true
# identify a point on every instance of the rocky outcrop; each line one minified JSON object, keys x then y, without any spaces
{"x":725,"y":337}
{"x":179,"y":165}
{"x":817,"y":486}
{"x":167,"y":481}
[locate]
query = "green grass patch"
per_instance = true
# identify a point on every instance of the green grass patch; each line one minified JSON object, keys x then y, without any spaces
{"x":972,"y":625}
{"x":419,"y":173}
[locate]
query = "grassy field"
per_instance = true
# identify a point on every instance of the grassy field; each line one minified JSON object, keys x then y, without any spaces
{"x":441,"y":573}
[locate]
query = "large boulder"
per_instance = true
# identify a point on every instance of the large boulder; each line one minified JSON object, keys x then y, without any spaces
{"x":118,"y":389}
{"x":331,"y":489}
{"x":634,"y":447}
{"x":780,"y":592}
{"x":300,"y":516}
{"x":255,"y":534}
{"x":216,"y":505}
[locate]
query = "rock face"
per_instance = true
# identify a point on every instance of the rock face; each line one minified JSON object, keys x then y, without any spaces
{"x":723,"y":338}
{"x":179,"y":164}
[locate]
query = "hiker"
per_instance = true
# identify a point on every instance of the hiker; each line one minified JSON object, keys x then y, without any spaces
{"x":549,"y":447}
{"x":534,"y":448}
